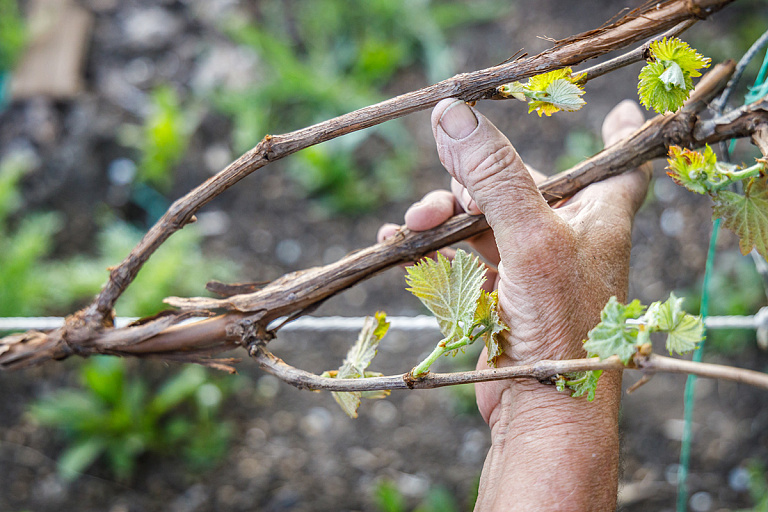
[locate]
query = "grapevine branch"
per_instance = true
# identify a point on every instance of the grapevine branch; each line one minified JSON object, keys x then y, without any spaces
{"x":544,"y":371}
{"x":648,"y":142}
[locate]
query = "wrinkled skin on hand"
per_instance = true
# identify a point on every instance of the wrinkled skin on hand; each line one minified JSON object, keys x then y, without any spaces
{"x":554,"y":269}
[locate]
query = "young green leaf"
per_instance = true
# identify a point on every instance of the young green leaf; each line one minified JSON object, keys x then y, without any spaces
{"x":675,"y":50}
{"x":666,"y":81}
{"x":580,"y":383}
{"x":553,"y":92}
{"x":656,"y":94}
{"x":513,"y":90}
{"x":692,"y":169}
{"x":450,"y":290}
{"x":684,"y":331}
{"x":612,"y":336}
{"x":586,"y":385}
{"x":358,"y":358}
{"x":548,"y":93}
{"x":487,"y":317}
{"x":673,"y":76}
{"x":702,"y":173}
{"x":364,"y":350}
{"x":746,"y":215}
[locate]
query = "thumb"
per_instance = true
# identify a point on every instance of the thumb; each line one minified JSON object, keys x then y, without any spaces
{"x":481,"y":159}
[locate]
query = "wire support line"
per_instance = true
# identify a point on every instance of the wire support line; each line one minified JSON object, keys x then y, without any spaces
{"x":758,"y":321}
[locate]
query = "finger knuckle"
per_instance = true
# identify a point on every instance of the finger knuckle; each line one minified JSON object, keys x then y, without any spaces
{"x":499,"y":164}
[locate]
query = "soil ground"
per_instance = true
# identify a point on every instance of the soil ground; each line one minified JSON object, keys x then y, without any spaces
{"x":294,"y":450}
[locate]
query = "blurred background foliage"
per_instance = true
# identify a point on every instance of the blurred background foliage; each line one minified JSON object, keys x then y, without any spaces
{"x":324,"y":58}
{"x":163,"y":138}
{"x":13,"y":38}
{"x":389,"y":498}
{"x":34,"y":282}
{"x":119,"y":416}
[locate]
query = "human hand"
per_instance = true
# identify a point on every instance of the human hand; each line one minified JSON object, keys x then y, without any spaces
{"x":555,"y":268}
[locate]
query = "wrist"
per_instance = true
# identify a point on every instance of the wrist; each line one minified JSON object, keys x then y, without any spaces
{"x":534,"y":425}
{"x":529,"y":404}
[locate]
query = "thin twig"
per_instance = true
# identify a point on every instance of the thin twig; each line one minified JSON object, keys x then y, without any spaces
{"x":637,"y":55}
{"x":642,"y":381}
{"x":542,"y":371}
{"x":662,"y":364}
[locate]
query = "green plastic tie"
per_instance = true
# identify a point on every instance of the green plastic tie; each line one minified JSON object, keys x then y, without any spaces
{"x":690,"y":383}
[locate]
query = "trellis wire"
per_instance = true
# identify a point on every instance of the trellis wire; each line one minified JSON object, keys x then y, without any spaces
{"x":757,"y":321}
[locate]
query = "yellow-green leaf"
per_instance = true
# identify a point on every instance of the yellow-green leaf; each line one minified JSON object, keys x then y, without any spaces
{"x":678,"y":51}
{"x":658,"y":95}
{"x":666,"y":81}
{"x":684,"y":331}
{"x":487,"y":317}
{"x":691,"y":169}
{"x":358,"y":358}
{"x":548,"y":93}
{"x":541,"y":82}
{"x":612,"y":336}
{"x":449,"y":289}
{"x":554,"y":91}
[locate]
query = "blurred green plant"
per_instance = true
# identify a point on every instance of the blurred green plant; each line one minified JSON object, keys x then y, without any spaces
{"x":112,"y":415}
{"x":388,"y":498}
{"x":117,"y":417}
{"x":13,"y":34}
{"x":758,"y":486}
{"x":33,"y":284}
{"x":323,"y":58}
{"x":174,"y":269}
{"x":23,"y":288}
{"x":162,"y":139}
